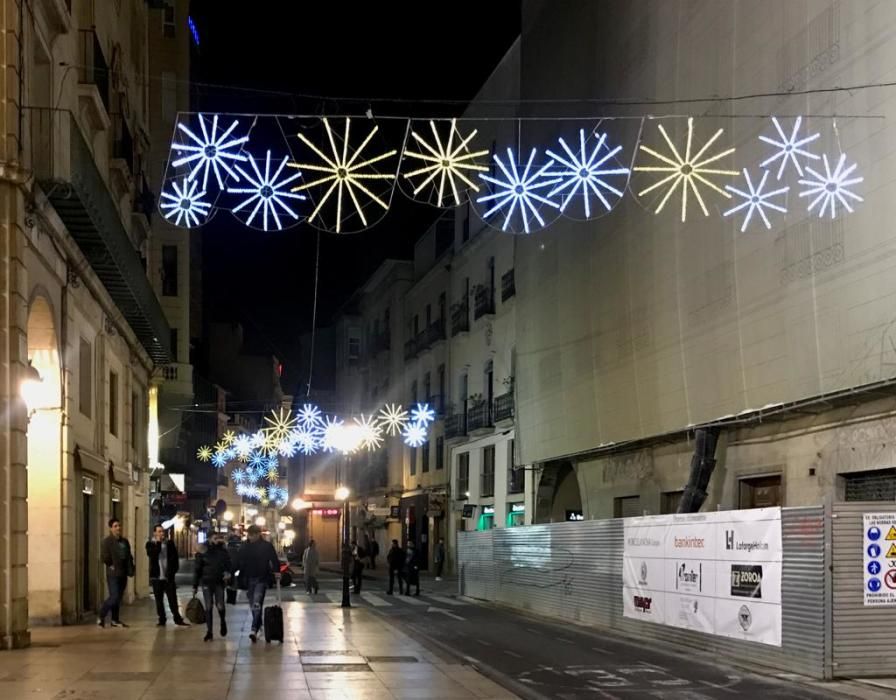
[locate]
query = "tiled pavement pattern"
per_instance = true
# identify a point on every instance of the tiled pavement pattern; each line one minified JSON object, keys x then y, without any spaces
{"x":329,"y":653}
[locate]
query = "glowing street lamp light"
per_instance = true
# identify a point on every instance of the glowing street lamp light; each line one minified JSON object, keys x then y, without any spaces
{"x":342,"y":493}
{"x":228,"y":516}
{"x":300,"y":504}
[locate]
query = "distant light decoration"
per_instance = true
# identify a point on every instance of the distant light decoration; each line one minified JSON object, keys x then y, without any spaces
{"x":219,"y":459}
{"x":268,"y":192}
{"x":689,"y":170}
{"x":184,"y":204}
{"x":393,"y":419}
{"x":309,"y":416}
{"x":243,"y":489}
{"x":446,"y":162}
{"x":228,"y":437}
{"x":287,"y":447}
{"x":194,"y":31}
{"x":204,"y":453}
{"x":518,"y":191}
{"x":422,"y":414}
{"x":789,"y":147}
{"x":238,"y":476}
{"x":220,"y":446}
{"x":306,"y":440}
{"x":831,"y":187}
{"x":371,"y":433}
{"x":257,"y":459}
{"x":414,"y":434}
{"x":343,"y":173}
{"x":756,"y":200}
{"x":273,"y":475}
{"x":331,"y":433}
{"x":279,"y":425}
{"x":584,"y":172}
{"x":213,"y":151}
{"x":242,"y":445}
{"x":257,"y":440}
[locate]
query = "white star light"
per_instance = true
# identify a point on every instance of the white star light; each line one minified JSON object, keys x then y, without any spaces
{"x":332,"y":432}
{"x":393,"y":418}
{"x":307,"y":440}
{"x":422,"y":414}
{"x":755,"y":200}
{"x":184,"y":203}
{"x":414,"y":434}
{"x":210,"y":152}
{"x":344,"y":173}
{"x":309,"y":416}
{"x":832,"y":186}
{"x":581,"y":172}
{"x":243,"y":489}
{"x":686,"y":171}
{"x":446,"y":162}
{"x":242,"y":445}
{"x":269,"y":193}
{"x":519,"y":190}
{"x":371,"y":433}
{"x":789,"y":147}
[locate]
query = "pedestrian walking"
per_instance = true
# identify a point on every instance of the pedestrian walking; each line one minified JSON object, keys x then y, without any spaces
{"x":164,"y":562}
{"x":374,"y":553}
{"x":439,"y":558}
{"x":311,"y":567}
{"x":395,"y":560}
{"x":357,"y":567}
{"x":213,"y":570}
{"x":258,"y":563}
{"x":411,"y":570}
{"x":119,"y":565}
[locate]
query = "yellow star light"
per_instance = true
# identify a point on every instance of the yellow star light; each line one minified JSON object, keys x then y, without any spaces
{"x":228,"y":437}
{"x":280,"y":425}
{"x":686,"y":171}
{"x":446,"y":161}
{"x":344,"y":173}
{"x":204,"y":453}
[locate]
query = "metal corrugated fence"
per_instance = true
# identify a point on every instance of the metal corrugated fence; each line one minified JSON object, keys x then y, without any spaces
{"x":573,"y":571}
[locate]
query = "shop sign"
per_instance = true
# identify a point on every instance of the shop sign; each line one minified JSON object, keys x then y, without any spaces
{"x":574,"y":515}
{"x":488,"y":510}
{"x":327,"y":512}
{"x":116,"y":494}
{"x":518,"y":508}
{"x":879,"y":558}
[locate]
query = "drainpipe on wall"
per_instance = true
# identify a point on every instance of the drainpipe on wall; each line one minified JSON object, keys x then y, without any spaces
{"x":703,"y":463}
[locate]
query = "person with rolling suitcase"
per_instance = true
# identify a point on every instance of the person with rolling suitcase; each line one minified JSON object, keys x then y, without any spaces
{"x":258,"y":564}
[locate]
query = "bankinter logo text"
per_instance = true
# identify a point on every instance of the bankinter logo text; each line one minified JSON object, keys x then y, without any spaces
{"x":688,"y":542}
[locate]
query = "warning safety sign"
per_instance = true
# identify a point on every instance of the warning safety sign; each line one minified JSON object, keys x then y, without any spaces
{"x":879,"y":558}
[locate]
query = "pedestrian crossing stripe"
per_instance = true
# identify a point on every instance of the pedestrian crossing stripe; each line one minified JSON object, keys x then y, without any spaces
{"x":446,"y":600}
{"x":892,"y":553}
{"x":375,"y":600}
{"x":891,"y":535}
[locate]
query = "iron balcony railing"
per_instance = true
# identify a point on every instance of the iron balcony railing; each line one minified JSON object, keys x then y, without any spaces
{"x":430,"y":335}
{"x":508,"y":285}
{"x":92,"y":66}
{"x":504,"y":407}
{"x":410,"y":349}
{"x":460,"y":318}
{"x":479,"y":416}
{"x":484,"y":302}
{"x":65,"y":169}
{"x":455,"y":426}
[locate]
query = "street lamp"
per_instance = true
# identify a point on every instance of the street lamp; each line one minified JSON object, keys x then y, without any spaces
{"x":300,"y":504}
{"x":342,"y":494}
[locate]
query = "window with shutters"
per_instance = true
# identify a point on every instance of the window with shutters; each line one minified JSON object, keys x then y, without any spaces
{"x":488,"y":471}
{"x":669,"y":501}
{"x":760,"y":492}
{"x":85,"y":379}
{"x":627,"y":506}
{"x":877,"y":485}
{"x":463,"y":474}
{"x":113,"y":403}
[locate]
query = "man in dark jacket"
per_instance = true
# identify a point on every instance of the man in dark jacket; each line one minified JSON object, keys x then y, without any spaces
{"x":213,"y":568}
{"x":395,"y":559}
{"x":164,"y":562}
{"x":411,"y":570}
{"x":358,"y":555}
{"x":258,"y":563}
{"x":119,"y":563}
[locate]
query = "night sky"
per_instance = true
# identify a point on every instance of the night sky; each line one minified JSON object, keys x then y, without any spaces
{"x":259,"y":57}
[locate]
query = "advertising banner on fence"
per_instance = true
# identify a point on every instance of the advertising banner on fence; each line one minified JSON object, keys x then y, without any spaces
{"x":718,"y":573}
{"x":879,"y":558}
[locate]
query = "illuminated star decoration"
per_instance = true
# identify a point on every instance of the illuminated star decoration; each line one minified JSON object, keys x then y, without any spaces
{"x":280,"y":424}
{"x":422,"y":414}
{"x":184,"y":203}
{"x":414,"y":434}
{"x":789,"y":147}
{"x":242,"y":445}
{"x":345,"y":173}
{"x":204,"y":454}
{"x":238,"y":476}
{"x":446,"y":162}
{"x":755,"y":200}
{"x":219,"y":459}
{"x":243,"y":489}
{"x":228,"y":437}
{"x":393,"y":419}
{"x":371,"y":433}
{"x":584,"y":172}
{"x":256,"y":460}
{"x":268,"y":192}
{"x":687,"y":170}
{"x":331,"y":433}
{"x":272,"y":475}
{"x":518,"y":190}
{"x":309,"y":416}
{"x":287,"y":446}
{"x":212,"y":151}
{"x":831,"y":187}
{"x":306,"y":440}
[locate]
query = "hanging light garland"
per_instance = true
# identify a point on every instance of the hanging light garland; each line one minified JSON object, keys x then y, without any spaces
{"x":586,"y":176}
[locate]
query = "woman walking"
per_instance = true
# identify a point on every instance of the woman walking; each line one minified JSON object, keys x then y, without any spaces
{"x":212,"y":571}
{"x":311,"y":566}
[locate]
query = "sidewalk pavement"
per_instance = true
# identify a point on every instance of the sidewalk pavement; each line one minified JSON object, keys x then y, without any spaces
{"x":328,"y":653}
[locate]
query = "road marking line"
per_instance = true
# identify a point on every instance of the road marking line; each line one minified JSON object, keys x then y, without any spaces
{"x":446,"y":600}
{"x":484,"y":643}
{"x":334,"y":597}
{"x":513,"y":654}
{"x":565,"y":641}
{"x":411,"y":601}
{"x":533,"y":631}
{"x":599,"y":650}
{"x":442,"y":611}
{"x":375,"y":600}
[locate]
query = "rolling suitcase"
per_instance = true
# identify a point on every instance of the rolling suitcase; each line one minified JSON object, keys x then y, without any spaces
{"x":273,"y":620}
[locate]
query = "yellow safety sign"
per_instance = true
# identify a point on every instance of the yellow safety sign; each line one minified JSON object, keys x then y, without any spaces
{"x":891,"y":535}
{"x":892,"y":553}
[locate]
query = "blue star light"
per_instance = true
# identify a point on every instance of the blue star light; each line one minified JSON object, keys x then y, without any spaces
{"x":184,"y":203}
{"x":211,"y":151}
{"x":832,"y":187}
{"x":269,"y":192}
{"x":518,"y":190}
{"x":756,"y":200}
{"x":789,"y":147}
{"x":219,"y":459}
{"x":414,"y":434}
{"x":238,"y":476}
{"x":583,"y":172}
{"x":422,"y":414}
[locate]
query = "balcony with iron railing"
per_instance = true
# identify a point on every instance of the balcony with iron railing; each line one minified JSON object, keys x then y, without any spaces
{"x":93,"y":78}
{"x":429,"y":336}
{"x":460,"y":318}
{"x":479,"y":416}
{"x":508,"y":285}
{"x":66,"y":169}
{"x":455,"y":426}
{"x":410,"y":349}
{"x":504,"y":407}
{"x":483,"y":302}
